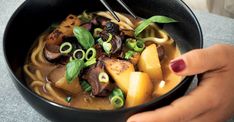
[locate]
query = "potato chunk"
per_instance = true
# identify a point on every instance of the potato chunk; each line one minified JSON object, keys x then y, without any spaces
{"x":120,"y":71}
{"x":73,"y":88}
{"x":150,"y":64}
{"x":140,"y":89}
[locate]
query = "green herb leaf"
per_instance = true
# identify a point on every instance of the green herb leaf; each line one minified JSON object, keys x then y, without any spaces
{"x":146,"y":23}
{"x":73,"y":69}
{"x":84,"y":37}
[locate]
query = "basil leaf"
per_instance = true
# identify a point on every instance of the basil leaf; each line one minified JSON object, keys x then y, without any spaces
{"x":84,"y":37}
{"x":147,"y":22}
{"x":73,"y":69}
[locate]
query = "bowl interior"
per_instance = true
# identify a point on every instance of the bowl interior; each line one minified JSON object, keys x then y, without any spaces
{"x":35,"y":16}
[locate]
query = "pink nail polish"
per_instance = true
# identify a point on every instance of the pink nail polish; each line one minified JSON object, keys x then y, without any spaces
{"x":177,"y":65}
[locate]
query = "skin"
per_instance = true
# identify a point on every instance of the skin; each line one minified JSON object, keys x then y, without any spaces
{"x":212,"y":100}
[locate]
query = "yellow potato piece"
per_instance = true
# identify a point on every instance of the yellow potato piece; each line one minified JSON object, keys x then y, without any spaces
{"x":140,"y":89}
{"x":73,"y":88}
{"x":150,"y":64}
{"x":120,"y":71}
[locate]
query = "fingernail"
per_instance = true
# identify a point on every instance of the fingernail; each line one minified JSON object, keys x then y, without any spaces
{"x":177,"y":65}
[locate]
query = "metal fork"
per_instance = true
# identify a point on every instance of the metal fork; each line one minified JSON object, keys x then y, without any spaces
{"x":113,"y":13}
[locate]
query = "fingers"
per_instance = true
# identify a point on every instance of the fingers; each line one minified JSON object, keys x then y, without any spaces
{"x":199,"y":61}
{"x":209,"y":117}
{"x":181,"y":110}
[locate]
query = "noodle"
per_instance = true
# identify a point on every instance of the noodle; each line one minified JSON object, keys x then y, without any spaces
{"x":35,"y":86}
{"x":39,"y":75}
{"x":36,"y":89}
{"x":36,"y":83}
{"x":158,"y":40}
{"x":31,"y":75}
{"x":40,"y":55}
{"x":36,"y":52}
{"x":125,"y":19}
{"x":47,"y":97}
{"x":54,"y":93}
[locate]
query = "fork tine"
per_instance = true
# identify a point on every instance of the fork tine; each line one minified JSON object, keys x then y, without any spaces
{"x":110,"y":10}
{"x":127,"y":8}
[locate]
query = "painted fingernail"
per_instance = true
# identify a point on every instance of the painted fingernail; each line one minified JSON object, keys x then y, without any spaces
{"x":177,"y":65}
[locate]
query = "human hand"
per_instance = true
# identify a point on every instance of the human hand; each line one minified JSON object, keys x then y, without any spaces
{"x":212,"y":100}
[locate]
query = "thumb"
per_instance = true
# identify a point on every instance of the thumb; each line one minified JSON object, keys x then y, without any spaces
{"x":199,"y":61}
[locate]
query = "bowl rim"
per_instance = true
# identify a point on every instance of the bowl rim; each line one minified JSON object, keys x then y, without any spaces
{"x":155,"y":100}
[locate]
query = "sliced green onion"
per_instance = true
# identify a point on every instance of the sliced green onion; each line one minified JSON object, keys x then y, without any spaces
{"x":90,"y":62}
{"x":85,"y":86}
{"x":103,"y":77}
{"x":109,"y":38}
{"x":131,"y":43}
{"x":118,"y":92}
{"x":129,"y":54}
{"x":117,"y":101}
{"x":71,"y":59}
{"x":68,"y":99}
{"x":79,"y":54}
{"x":96,"y":32}
{"x":107,"y":47}
{"x":100,"y":41}
{"x":136,"y":45}
{"x":117,"y":98}
{"x":139,"y":46}
{"x":90,"y":54}
{"x":65,"y":48}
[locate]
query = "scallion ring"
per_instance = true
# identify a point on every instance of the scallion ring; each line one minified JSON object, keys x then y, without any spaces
{"x":85,"y":86}
{"x":71,"y":59}
{"x":103,"y":77}
{"x":107,"y":47}
{"x":117,"y":101}
{"x":139,"y":46}
{"x":117,"y":92}
{"x":65,"y":48}
{"x":109,"y":38}
{"x":131,"y":43}
{"x":96,"y":32}
{"x":79,"y":54}
{"x":100,"y":41}
{"x":90,"y":54}
{"x":90,"y":62}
